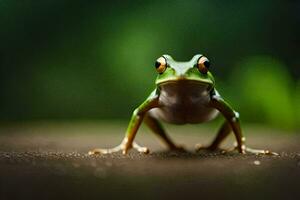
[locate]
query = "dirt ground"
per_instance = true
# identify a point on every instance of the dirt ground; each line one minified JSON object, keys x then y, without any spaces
{"x":49,"y":161}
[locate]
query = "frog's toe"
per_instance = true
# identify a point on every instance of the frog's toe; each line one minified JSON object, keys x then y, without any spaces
{"x":140,"y":149}
{"x":98,"y":151}
{"x":260,"y":152}
{"x":104,"y":151}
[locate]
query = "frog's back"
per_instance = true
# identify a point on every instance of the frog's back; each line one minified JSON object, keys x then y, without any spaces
{"x":184,"y":102}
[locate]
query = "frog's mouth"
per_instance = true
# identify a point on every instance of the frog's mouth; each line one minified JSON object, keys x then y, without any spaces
{"x":182,"y":80}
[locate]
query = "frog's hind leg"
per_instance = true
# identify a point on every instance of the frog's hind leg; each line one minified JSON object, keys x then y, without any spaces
{"x":158,"y":129}
{"x":222,"y":134}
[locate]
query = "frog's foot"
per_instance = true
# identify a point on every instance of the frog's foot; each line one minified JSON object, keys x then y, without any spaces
{"x":259,"y":152}
{"x":244,"y":150}
{"x":120,"y":148}
{"x":248,"y":150}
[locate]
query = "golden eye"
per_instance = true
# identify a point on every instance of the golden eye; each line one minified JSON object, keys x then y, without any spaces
{"x":203,"y":64}
{"x":161,"y":65}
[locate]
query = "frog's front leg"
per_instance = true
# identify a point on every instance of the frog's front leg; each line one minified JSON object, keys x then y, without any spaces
{"x":232,"y":123}
{"x":134,"y":124}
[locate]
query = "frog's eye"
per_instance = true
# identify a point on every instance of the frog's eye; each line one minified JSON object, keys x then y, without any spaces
{"x":161,"y":65}
{"x":203,"y":64}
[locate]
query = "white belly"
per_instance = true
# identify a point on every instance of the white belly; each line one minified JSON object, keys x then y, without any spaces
{"x":184,"y":102}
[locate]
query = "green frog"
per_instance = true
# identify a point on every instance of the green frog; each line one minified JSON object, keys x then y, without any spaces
{"x":185,"y":93}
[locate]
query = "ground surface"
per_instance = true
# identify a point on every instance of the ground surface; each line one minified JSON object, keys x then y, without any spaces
{"x":50,"y":161}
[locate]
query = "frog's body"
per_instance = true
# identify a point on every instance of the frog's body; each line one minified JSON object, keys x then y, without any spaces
{"x":184,"y":102}
{"x":185,"y":93}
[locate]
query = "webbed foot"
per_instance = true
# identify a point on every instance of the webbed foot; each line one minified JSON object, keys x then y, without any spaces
{"x":123,"y":147}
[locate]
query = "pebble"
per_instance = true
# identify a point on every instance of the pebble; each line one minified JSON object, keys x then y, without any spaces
{"x":256,"y":162}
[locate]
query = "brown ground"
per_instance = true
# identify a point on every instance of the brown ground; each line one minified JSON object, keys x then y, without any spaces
{"x":49,"y":161}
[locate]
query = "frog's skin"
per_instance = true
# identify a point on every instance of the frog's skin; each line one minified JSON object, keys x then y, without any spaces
{"x":185,"y":93}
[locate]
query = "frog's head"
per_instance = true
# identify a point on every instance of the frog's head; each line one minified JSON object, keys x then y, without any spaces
{"x":195,"y":70}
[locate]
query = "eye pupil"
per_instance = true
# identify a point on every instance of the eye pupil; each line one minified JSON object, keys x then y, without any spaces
{"x":206,"y":64}
{"x":157,"y":64}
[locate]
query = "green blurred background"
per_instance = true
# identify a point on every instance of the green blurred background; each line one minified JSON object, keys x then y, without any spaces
{"x":95,"y":60}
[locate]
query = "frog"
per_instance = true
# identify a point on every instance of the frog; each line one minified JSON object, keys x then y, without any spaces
{"x":185,"y":93}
